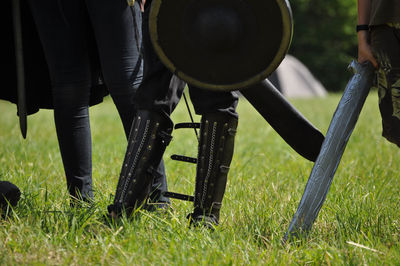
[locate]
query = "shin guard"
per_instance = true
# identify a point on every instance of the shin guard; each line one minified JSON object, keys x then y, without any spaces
{"x":217,"y":136}
{"x":150,"y":135}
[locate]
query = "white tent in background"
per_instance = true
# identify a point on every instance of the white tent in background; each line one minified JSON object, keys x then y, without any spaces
{"x":293,"y":79}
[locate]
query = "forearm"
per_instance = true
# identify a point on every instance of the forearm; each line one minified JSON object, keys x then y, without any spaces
{"x":364,"y":10}
{"x":364,"y":49}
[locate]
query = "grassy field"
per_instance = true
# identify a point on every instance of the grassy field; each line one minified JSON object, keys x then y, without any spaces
{"x":266,"y":181}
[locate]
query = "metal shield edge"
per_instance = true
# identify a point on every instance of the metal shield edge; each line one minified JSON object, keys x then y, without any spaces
{"x":287,"y":20}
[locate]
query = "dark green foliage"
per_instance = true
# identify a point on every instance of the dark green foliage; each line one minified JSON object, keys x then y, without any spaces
{"x":324,"y":38}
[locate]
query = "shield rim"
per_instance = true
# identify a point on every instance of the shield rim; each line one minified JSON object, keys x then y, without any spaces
{"x":287,"y":35}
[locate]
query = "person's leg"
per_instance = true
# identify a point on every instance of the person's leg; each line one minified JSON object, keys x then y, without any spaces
{"x":118,"y":33}
{"x":160,"y":90}
{"x":156,"y":98}
{"x":217,"y":136}
{"x":385,"y":42}
{"x":208,"y":101}
{"x":150,"y":135}
{"x":61,"y":26}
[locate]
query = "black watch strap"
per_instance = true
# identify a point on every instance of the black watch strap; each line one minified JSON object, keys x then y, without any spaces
{"x":362,"y":27}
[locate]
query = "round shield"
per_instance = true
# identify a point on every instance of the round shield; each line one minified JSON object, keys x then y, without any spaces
{"x":221,"y":44}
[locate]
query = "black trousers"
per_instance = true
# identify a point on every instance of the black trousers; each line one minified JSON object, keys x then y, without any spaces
{"x":64,"y":28}
{"x":157,"y":93}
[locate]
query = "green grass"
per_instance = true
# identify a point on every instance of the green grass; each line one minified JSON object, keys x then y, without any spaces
{"x":266,"y":181}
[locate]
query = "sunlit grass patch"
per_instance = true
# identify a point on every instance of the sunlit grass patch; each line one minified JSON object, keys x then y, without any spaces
{"x":358,"y":224}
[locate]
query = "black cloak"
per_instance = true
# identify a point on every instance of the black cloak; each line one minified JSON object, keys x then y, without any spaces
{"x":37,"y":80}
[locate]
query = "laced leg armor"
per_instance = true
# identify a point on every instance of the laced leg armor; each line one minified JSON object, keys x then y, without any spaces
{"x":150,"y":135}
{"x":217,"y":136}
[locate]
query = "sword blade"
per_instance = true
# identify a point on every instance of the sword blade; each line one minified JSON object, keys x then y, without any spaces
{"x":339,"y":131}
{"x":22,"y":112}
{"x":285,"y":119}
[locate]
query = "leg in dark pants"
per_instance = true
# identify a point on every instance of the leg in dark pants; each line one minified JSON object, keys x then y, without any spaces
{"x":119,"y":40}
{"x":157,"y":97}
{"x":63,"y":28}
{"x":217,"y":136}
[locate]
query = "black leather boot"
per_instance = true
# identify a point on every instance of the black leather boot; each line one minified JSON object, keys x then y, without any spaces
{"x":217,"y":137}
{"x":150,"y":135}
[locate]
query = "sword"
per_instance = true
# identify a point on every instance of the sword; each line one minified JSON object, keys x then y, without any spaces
{"x":22,"y":113}
{"x":285,"y":119}
{"x":339,"y":132}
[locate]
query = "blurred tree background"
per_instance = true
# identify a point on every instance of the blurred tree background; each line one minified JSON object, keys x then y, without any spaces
{"x":324,"y":38}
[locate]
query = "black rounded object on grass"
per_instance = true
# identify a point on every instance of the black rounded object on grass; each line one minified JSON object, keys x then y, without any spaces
{"x":9,"y":193}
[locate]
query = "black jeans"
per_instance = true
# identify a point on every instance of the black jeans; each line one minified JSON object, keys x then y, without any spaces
{"x":65,"y":27}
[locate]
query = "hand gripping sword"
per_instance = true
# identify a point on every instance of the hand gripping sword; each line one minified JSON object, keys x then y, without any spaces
{"x":339,"y":132}
{"x":22,"y":112}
